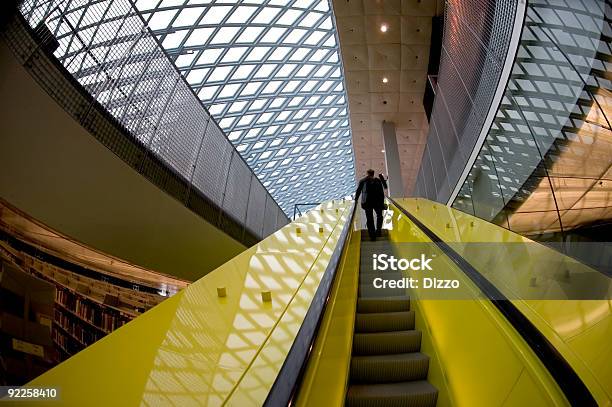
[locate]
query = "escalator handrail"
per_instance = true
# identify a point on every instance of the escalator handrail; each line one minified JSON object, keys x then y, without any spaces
{"x":287,"y":383}
{"x":568,"y":380}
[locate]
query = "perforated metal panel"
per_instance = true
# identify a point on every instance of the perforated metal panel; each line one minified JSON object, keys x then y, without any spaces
{"x":256,"y":208}
{"x":475,"y":43}
{"x":238,"y":184}
{"x":213,"y":164}
{"x":270,"y":213}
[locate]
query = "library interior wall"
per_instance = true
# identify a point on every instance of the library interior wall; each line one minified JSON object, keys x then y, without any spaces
{"x":56,"y":172}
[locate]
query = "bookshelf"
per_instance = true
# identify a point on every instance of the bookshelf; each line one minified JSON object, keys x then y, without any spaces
{"x":85,"y":309}
{"x":26,"y":307}
{"x":28,"y":235}
{"x":91,"y":294}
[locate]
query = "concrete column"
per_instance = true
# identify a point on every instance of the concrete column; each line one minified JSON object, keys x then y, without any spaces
{"x":392,"y":160}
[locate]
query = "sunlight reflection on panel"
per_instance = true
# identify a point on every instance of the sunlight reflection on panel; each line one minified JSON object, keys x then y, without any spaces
{"x":198,"y":348}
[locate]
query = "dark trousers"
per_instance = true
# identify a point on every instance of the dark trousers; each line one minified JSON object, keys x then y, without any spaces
{"x":369,"y":212}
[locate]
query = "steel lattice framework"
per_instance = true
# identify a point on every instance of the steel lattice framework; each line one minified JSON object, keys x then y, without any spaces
{"x":269,"y":71}
{"x":546,"y":163}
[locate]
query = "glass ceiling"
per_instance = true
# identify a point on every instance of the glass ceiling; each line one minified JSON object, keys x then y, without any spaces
{"x":270,"y":73}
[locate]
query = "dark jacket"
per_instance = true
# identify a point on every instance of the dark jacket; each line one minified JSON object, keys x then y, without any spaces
{"x":372,"y":192}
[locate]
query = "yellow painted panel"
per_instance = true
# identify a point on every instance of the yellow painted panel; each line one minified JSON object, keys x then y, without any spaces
{"x":599,"y":359}
{"x":524,"y":393}
{"x":195,"y":348}
{"x":480,"y":364}
{"x":478,"y":357}
{"x":578,"y":329}
{"x":326,"y":377}
{"x":257,"y":380}
{"x":436,"y":373}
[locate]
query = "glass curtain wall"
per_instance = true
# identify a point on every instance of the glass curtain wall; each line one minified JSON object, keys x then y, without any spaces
{"x":545,"y":168}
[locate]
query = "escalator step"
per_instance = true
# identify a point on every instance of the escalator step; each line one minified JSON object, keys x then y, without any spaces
{"x":384,"y":321}
{"x":404,"y":394}
{"x":369,"y":248}
{"x":384,"y":234}
{"x":387,"y":368}
{"x":390,"y":368}
{"x":369,"y":291}
{"x":379,"y":343}
{"x":383,"y":304}
{"x":368,"y":251}
{"x":367,"y":278}
{"x":366,"y":261}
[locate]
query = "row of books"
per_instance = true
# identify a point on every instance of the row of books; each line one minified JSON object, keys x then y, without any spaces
{"x":78,"y":332}
{"x":130,"y":301}
{"x":85,"y":309}
{"x":66,"y":344}
{"x":95,"y":314}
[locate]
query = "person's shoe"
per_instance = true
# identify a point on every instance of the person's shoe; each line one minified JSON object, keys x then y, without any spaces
{"x":373,"y":238}
{"x":379,"y":233}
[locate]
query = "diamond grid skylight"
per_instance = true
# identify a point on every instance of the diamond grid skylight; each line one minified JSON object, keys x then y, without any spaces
{"x":270,"y":73}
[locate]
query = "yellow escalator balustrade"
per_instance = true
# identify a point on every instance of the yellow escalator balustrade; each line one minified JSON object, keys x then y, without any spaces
{"x":201,"y":348}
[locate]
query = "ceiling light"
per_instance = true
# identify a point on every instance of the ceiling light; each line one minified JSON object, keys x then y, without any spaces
{"x":385,"y":80}
{"x":384,"y":28}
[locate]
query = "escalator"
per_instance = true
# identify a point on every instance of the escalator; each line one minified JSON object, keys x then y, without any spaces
{"x":296,"y":320}
{"x":387,"y":367}
{"x":414,"y":347}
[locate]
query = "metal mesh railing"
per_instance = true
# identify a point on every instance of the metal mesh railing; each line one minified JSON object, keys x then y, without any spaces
{"x":477,"y":35}
{"x":168,"y":135}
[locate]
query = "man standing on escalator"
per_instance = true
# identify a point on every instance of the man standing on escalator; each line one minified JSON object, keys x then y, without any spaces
{"x":372,"y":194}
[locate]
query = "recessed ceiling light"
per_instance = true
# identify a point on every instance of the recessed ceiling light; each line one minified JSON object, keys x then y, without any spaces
{"x":384,"y":28}
{"x":385,"y":80}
